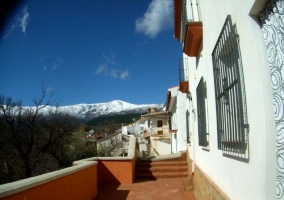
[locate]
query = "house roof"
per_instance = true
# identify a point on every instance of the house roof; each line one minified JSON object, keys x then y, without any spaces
{"x":177,"y":18}
{"x":161,"y":114}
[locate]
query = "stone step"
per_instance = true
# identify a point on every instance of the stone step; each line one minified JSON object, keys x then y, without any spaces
{"x":168,"y":166}
{"x":161,"y":169}
{"x":160,"y":163}
{"x":160,"y":175}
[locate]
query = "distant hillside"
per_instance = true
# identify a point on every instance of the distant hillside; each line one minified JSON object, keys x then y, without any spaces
{"x":119,"y":118}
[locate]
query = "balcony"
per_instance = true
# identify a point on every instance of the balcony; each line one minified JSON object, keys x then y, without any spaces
{"x":193,"y":29}
{"x":193,"y":38}
{"x":188,"y":26}
{"x":183,"y":75}
{"x":161,"y":132}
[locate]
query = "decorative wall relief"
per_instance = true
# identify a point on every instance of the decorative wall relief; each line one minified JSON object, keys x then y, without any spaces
{"x":272,"y":19}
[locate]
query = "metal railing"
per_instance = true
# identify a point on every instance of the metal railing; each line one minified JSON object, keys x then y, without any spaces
{"x":157,"y":132}
{"x":183,"y":69}
{"x":195,"y":11}
{"x":194,"y":14}
{"x":232,"y":122}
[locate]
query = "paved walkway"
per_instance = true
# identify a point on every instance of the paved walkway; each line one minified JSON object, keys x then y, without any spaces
{"x":166,"y":189}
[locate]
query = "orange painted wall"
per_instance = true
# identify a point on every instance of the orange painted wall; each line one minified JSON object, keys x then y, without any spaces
{"x":116,"y":171}
{"x":79,"y":185}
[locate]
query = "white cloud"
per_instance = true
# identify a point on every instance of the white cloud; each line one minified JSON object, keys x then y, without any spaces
{"x":109,"y":60}
{"x":158,"y":17}
{"x":114,"y":72}
{"x":9,"y":32}
{"x":124,"y":74}
{"x":118,"y":73}
{"x":56,"y":65}
{"x":100,"y":69}
{"x":60,"y":60}
{"x":21,"y":22}
{"x":24,"y":19}
{"x":49,"y":89}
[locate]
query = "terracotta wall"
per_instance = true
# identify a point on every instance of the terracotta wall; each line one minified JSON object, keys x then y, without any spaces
{"x":79,"y":185}
{"x":77,"y":182}
{"x":116,"y":171}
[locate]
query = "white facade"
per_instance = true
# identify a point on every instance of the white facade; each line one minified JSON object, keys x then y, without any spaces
{"x":254,"y":175}
{"x":156,"y":132}
{"x":160,"y":146}
{"x":178,"y":120}
{"x":134,"y":128}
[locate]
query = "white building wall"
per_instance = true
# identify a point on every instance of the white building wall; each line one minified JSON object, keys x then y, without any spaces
{"x":256,"y":178}
{"x":174,"y":122}
{"x":124,"y":130}
{"x":181,"y":117}
{"x":161,"y":146}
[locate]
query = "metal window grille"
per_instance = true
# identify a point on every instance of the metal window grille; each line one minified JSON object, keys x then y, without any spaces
{"x":232,"y":122}
{"x":201,"y":113}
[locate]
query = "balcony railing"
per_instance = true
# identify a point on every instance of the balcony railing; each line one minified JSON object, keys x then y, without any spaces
{"x":157,"y":132}
{"x":195,"y":13}
{"x":183,"y":75}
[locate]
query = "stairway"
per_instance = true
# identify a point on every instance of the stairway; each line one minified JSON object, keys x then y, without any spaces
{"x":161,"y":168}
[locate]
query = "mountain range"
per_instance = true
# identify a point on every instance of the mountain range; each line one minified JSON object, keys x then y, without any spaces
{"x":89,"y":111}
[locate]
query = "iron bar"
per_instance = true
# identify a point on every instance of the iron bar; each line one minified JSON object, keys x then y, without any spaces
{"x":231,"y":113}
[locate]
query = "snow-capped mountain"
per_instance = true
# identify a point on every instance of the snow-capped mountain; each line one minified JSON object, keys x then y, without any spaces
{"x":89,"y":111}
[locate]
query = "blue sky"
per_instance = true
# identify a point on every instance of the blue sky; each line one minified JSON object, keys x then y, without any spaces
{"x":90,"y":51}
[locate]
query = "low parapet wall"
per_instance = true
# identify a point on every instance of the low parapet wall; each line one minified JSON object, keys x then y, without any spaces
{"x":76,"y":182}
{"x":117,"y":170}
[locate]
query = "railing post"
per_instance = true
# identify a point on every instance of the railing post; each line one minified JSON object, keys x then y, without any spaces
{"x":195,"y":10}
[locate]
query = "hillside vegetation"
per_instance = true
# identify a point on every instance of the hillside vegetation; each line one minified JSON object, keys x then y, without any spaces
{"x":118,"y":118}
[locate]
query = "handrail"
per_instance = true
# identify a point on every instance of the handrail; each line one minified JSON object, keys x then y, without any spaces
{"x":195,"y":11}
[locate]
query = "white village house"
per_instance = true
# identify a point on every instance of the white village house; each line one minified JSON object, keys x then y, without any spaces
{"x":228,"y":108}
{"x":152,"y":132}
{"x":156,"y":132}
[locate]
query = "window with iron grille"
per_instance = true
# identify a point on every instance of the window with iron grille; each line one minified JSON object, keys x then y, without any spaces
{"x":232,"y":122}
{"x":201,"y":113}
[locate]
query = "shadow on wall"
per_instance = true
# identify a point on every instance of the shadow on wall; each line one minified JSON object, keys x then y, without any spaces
{"x":106,"y":191}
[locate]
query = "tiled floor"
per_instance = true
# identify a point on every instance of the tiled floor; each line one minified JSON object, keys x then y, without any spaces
{"x":142,"y":189}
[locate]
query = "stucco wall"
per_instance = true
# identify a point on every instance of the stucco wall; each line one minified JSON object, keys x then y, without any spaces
{"x":116,"y":171}
{"x":181,"y":116}
{"x":161,"y":146}
{"x":76,"y":182}
{"x":255,"y":178}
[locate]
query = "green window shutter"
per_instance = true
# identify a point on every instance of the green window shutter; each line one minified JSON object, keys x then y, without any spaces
{"x":201,"y":114}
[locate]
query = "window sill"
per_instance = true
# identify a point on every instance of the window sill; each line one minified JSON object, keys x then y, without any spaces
{"x":206,"y":149}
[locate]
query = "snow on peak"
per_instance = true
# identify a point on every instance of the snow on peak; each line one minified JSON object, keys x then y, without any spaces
{"x":89,"y":111}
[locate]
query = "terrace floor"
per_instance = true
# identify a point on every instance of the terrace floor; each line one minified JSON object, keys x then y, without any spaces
{"x":172,"y":188}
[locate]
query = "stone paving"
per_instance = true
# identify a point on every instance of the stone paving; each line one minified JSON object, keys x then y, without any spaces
{"x":167,"y":189}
